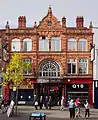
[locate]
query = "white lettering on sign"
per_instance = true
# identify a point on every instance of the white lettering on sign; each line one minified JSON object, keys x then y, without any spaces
{"x":77,"y":86}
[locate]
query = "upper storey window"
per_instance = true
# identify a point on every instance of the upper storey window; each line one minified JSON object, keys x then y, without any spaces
{"x":55,"y":44}
{"x":72,"y":44}
{"x":15,"y":46}
{"x":43,"y":44}
{"x":49,"y":69}
{"x":27,"y":63}
{"x":72,"y":66}
{"x":82,"y":45}
{"x":83,"y":66}
{"x":27,"y":44}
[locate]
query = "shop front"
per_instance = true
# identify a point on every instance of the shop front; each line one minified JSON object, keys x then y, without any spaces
{"x":52,"y":87}
{"x":75,"y":91}
{"x":25,"y":94}
{"x":79,"y":88}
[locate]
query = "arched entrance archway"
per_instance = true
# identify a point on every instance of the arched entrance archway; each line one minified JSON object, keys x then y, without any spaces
{"x":49,"y":80}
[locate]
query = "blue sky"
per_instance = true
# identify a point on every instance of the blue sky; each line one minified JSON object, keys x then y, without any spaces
{"x":35,"y":10}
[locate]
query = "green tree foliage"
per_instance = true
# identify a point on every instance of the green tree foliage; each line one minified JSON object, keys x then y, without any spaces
{"x":14,"y":71}
{"x":14,"y":74}
{"x":27,"y":67}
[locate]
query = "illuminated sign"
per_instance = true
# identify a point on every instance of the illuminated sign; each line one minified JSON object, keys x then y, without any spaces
{"x":77,"y":86}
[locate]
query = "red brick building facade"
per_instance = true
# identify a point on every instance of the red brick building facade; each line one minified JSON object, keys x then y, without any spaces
{"x":59,"y":57}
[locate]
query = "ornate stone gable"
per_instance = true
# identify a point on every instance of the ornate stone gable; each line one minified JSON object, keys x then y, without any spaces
{"x":49,"y":22}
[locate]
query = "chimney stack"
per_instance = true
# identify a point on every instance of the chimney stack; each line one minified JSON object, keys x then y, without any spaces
{"x":79,"y":22}
{"x":22,"y":22}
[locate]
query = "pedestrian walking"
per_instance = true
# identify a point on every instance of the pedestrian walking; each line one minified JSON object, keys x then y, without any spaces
{"x":71,"y":106}
{"x":46,"y":102}
{"x":86,"y":105}
{"x":36,"y":104}
{"x":62,"y":103}
{"x":41,"y":102}
{"x":50,"y":102}
{"x":77,"y":104}
{"x":34,"y":99}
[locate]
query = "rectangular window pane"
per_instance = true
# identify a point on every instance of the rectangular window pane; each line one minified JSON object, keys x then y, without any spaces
{"x":53,"y":45}
{"x":43,"y":45}
{"x":15,"y":46}
{"x":56,"y":44}
{"x":27,"y":66}
{"x":71,"y":45}
{"x":40,"y":74}
{"x":69,"y":68}
{"x":82,"y":45}
{"x":83,"y":66}
{"x":25,"y":46}
{"x":29,"y":46}
{"x":73,"y":68}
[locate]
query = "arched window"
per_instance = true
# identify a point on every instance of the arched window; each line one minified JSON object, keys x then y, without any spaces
{"x":72,"y":44}
{"x":27,"y":44}
{"x":49,"y":69}
{"x":55,"y":44}
{"x":15,"y":46}
{"x":43,"y":43}
{"x":82,"y":45}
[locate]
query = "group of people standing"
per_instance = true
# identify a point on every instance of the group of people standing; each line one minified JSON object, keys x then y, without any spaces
{"x":43,"y":102}
{"x":74,"y":108}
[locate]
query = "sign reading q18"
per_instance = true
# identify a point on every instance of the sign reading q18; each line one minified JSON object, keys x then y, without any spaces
{"x":77,"y":86}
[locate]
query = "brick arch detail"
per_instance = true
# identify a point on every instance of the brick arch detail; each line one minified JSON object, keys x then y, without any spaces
{"x":56,"y":60}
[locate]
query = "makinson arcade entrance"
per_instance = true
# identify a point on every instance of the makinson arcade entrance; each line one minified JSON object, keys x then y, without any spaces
{"x":49,"y":81}
{"x":55,"y":90}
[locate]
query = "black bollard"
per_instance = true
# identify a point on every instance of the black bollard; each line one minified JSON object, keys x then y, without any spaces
{"x":40,"y":117}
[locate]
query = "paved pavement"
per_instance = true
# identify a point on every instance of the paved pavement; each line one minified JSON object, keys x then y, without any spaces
{"x":53,"y":114}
